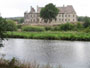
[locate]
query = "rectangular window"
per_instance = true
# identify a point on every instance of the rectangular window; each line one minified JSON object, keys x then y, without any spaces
{"x":68,"y":19}
{"x":68,"y":15}
{"x":62,"y":15}
{"x":73,"y":15}
{"x":65,"y":19}
{"x":73,"y":19}
{"x":65,"y":15}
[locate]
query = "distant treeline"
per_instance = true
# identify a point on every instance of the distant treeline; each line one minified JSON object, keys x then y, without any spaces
{"x":83,"y":18}
{"x":17,"y":19}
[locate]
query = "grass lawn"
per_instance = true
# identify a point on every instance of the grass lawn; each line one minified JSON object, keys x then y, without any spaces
{"x":51,"y":35}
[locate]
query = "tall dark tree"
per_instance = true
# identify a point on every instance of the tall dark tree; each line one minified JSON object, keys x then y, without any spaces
{"x":86,"y":22}
{"x":49,"y":12}
{"x":3,"y":28}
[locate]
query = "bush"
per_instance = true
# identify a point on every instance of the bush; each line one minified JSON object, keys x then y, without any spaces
{"x":87,"y":30}
{"x":33,"y":28}
{"x":11,"y":26}
{"x":48,"y":28}
{"x":56,"y":28}
{"x":67,"y":26}
{"x":19,"y":26}
{"x":78,"y":26}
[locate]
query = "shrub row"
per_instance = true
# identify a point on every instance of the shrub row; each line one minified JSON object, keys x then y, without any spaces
{"x":62,"y":27}
{"x":33,"y":28}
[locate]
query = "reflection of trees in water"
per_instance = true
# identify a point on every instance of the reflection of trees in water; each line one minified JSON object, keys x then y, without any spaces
{"x":1,"y":43}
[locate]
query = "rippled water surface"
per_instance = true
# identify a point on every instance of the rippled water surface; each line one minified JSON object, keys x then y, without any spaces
{"x":69,"y":54}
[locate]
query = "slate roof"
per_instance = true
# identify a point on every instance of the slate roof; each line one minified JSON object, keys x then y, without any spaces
{"x":68,"y":9}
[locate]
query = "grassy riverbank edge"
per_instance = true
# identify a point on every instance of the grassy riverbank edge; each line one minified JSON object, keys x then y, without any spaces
{"x":49,"y":35}
{"x":15,"y":63}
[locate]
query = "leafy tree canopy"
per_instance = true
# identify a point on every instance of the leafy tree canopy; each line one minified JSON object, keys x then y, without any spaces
{"x":11,"y":26}
{"x":86,"y":22}
{"x":49,"y":12}
{"x":3,"y":28}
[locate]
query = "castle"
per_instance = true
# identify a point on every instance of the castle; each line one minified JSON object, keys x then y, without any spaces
{"x":66,"y":14}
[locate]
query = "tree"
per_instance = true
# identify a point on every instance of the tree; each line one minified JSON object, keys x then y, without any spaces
{"x":86,"y":22}
{"x":11,"y":26}
{"x":3,"y":28}
{"x":49,"y":12}
{"x":79,"y":25}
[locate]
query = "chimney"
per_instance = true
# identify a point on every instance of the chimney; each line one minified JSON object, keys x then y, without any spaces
{"x":30,"y":7}
{"x":63,"y":5}
{"x":37,"y":8}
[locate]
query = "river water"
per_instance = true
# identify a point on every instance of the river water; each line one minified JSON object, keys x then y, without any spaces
{"x":68,"y":54}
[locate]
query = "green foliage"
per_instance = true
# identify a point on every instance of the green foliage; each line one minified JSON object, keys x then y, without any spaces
{"x":56,"y":28}
{"x":48,"y":28}
{"x":11,"y":26}
{"x":17,"y":19}
{"x":49,"y":12}
{"x":33,"y":28}
{"x":21,"y":20}
{"x":79,"y":26}
{"x":19,"y":26}
{"x":12,"y":63}
{"x":3,"y":28}
{"x":87,"y":30}
{"x":81,"y":18}
{"x":67,"y":26}
{"x":62,"y":35}
{"x":86,"y":22}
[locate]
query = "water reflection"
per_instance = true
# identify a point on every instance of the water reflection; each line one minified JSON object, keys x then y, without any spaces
{"x":69,"y":54}
{"x":1,"y":43}
{"x":80,"y":51}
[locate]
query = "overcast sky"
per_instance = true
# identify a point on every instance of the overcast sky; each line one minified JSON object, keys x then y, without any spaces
{"x":16,"y":8}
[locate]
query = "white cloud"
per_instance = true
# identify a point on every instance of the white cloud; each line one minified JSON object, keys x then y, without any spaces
{"x":12,"y":8}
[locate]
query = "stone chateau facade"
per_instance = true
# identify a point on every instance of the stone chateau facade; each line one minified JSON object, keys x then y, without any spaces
{"x":66,"y":14}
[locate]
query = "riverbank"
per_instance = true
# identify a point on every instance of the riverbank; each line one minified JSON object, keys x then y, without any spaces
{"x":69,"y":35}
{"x":14,"y":63}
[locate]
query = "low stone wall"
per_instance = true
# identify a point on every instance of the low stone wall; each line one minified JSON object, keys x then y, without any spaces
{"x":47,"y":24}
{"x":43,"y":24}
